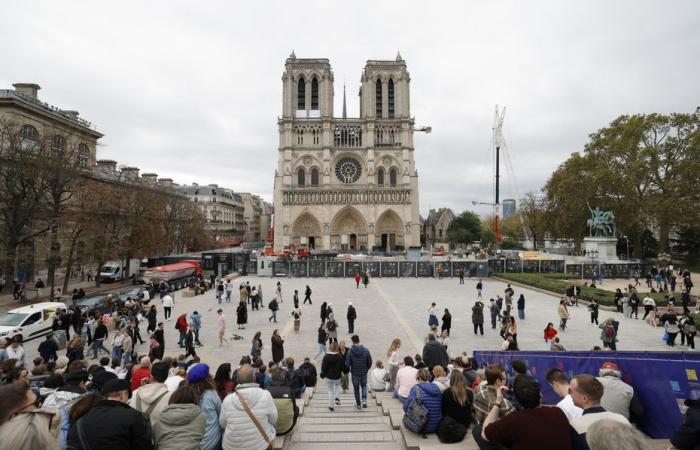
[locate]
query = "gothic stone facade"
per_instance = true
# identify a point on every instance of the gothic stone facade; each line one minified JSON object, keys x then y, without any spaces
{"x":346,"y":184}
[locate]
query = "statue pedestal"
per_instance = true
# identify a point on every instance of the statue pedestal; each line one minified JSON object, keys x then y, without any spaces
{"x":605,"y":248}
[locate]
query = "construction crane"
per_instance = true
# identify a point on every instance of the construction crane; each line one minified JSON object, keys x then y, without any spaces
{"x":498,"y":143}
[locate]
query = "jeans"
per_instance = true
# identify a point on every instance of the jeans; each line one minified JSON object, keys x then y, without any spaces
{"x":333,"y":391}
{"x":392,"y":375}
{"x":97,"y":344}
{"x":357,"y":383}
{"x":228,"y":297}
{"x":126,"y":359}
{"x":117,"y":353}
{"x":351,"y":326}
{"x":494,"y":317}
{"x":196,"y":336}
{"x":562,"y":323}
{"x":167,"y":310}
{"x":521,"y":314}
{"x":321,"y":350}
{"x":182,"y":339}
{"x":594,"y":318}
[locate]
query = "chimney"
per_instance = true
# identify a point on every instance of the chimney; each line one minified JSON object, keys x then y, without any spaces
{"x":107,"y":165}
{"x":132,"y":173}
{"x":165,"y":183}
{"x":150,"y":178}
{"x":28,"y":89}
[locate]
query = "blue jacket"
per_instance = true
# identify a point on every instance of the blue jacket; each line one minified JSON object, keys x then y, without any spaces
{"x":358,"y":360}
{"x":431,"y":397}
{"x":210,"y":404}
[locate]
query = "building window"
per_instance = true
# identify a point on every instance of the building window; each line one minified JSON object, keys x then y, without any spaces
{"x":391,"y":98}
{"x":314,"y":177}
{"x":29,"y":137}
{"x":314,"y":94}
{"x":316,"y":136}
{"x":300,"y":136}
{"x":58,"y":146}
{"x":301,"y":94}
{"x":392,"y":177}
{"x":380,"y":177}
{"x":378,"y":97}
{"x":347,"y":136}
{"x":440,"y":232}
{"x":83,"y":155}
{"x":301,"y":177}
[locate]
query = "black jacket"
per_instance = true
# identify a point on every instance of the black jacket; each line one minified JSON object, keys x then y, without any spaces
{"x":48,"y":350}
{"x":332,"y":366}
{"x":687,"y":436}
{"x":100,"y":332}
{"x":308,"y":373}
{"x":295,"y":381}
{"x":352,"y":313}
{"x":277,"y":350}
{"x":112,"y":424}
{"x":446,"y":321}
{"x":434,"y":354}
{"x":322,"y":336}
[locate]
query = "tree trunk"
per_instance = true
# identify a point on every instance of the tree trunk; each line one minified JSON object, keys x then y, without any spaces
{"x":664,"y":227}
{"x":53,"y":261}
{"x":97,"y":272}
{"x":69,"y":262}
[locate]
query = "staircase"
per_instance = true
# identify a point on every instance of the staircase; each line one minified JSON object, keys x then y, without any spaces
{"x":344,"y":428}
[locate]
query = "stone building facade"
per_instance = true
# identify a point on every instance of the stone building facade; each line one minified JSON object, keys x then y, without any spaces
{"x":436,"y":225}
{"x":346,"y":184}
{"x":222,"y":208}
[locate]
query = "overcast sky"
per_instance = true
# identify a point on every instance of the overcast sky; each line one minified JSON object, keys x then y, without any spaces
{"x":192,"y":90}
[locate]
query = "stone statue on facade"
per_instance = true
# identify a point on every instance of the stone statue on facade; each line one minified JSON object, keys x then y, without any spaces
{"x":601,"y":223}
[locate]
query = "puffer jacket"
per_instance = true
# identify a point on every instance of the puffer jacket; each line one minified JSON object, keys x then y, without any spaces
{"x":147,"y":395}
{"x":332,"y":366}
{"x":239,"y":431}
{"x":358,"y":360}
{"x":181,"y":427}
{"x":431,"y":397}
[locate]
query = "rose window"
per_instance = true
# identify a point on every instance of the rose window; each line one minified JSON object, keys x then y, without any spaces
{"x":348,"y":170}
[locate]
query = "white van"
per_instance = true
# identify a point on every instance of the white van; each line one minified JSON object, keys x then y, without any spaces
{"x":111,"y":271}
{"x":29,"y":322}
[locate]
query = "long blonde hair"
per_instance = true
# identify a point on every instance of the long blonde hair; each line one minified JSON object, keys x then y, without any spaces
{"x":395,"y":344}
{"x":458,"y":387}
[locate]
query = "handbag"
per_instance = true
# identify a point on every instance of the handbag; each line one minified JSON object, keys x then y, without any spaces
{"x":665,"y":338}
{"x":386,"y":378}
{"x":416,"y":416}
{"x":451,"y":431}
{"x":255,"y":420}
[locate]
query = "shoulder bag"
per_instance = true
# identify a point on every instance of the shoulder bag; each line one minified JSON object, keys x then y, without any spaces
{"x":255,"y":420}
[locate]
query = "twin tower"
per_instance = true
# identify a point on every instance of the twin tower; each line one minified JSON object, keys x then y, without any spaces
{"x":346,"y":184}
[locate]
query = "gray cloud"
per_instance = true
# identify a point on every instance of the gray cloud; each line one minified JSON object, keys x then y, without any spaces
{"x":193,"y":91}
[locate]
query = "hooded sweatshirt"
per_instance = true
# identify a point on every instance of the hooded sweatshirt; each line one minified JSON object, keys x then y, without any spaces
{"x":181,"y":427}
{"x":146,"y":395}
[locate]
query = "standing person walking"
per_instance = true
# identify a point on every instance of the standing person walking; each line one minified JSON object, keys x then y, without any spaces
{"x":563,"y":314}
{"x":307,"y":295}
{"x":273,"y":306}
{"x":649,"y":305}
{"x":432,"y":316}
{"x":181,"y":326}
{"x":256,"y":346}
{"x":358,"y":278}
{"x":321,"y":339}
{"x":98,"y":339}
{"x":549,"y":334}
{"x":446,"y":321}
{"x":324,"y":312}
{"x":296,"y":314}
{"x":221,"y":325}
{"x":278,"y":292}
{"x":152,"y":318}
{"x":190,"y":341}
{"x":478,"y":317}
{"x":332,"y":328}
{"x":359,"y":361}
{"x":521,"y":307}
{"x":351,"y":316}
{"x":493,"y":309}
{"x":593,"y":308}
{"x":296,"y":298}
{"x":196,"y":321}
{"x":461,"y":274}
{"x":479,"y":289}
{"x":394,"y":360}
{"x":365,"y":278}
{"x":242,"y":314}
{"x":331,"y":370}
{"x":220,"y":290}
{"x":168,"y":304}
{"x":260,"y":296}
{"x":229,"y":291}
{"x":277,"y":344}
{"x":159,"y":337}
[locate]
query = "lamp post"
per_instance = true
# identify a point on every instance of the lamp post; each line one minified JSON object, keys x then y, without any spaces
{"x":628,"y":246}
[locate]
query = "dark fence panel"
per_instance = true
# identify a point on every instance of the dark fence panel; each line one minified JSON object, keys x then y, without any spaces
{"x":335,"y":269}
{"x":513,"y":265}
{"x":317,"y":268}
{"x":371,"y":267}
{"x":407,"y":269}
{"x":496,"y":265}
{"x":298,"y":269}
{"x":531,"y":265}
{"x":252,"y":266}
{"x":280,"y":269}
{"x":446,"y":267}
{"x":390,"y":269}
{"x":589,"y":270}
{"x":352,"y":267}
{"x":552,"y":265}
{"x":424,"y":268}
{"x":574,"y":269}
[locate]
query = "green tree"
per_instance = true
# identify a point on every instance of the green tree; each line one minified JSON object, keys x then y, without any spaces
{"x":465,"y":228}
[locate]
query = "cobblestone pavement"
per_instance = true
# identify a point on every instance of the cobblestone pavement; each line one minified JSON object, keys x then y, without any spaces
{"x":388,"y":308}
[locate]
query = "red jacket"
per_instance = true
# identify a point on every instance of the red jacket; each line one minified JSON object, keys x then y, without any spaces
{"x":549,"y":334}
{"x":182,"y":323}
{"x":137,"y":375}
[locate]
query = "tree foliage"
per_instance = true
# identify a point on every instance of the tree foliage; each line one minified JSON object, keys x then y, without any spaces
{"x":465,"y":228}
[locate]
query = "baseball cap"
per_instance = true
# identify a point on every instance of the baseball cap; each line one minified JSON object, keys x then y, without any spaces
{"x":610,"y":365}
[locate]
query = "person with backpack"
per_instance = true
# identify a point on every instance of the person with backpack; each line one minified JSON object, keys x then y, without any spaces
{"x":293,"y":378}
{"x":332,"y":328}
{"x":322,"y":339}
{"x":332,"y":367}
{"x":423,"y":406}
{"x":274,"y":307}
{"x":307,"y":295}
{"x":296,"y":314}
{"x":152,"y":398}
{"x":181,"y":326}
{"x":308,"y":373}
{"x":352,"y":315}
{"x":359,"y":361}
{"x":607,"y":334}
{"x":593,"y":308}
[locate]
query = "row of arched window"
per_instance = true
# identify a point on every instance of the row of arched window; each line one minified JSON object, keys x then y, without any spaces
{"x":390,"y":99}
{"x":29,"y":141}
{"x":314,"y":177}
{"x":301,"y":94}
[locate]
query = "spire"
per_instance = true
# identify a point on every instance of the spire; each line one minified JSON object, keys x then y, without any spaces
{"x":345,"y":107}
{"x":398,"y":57}
{"x":292,"y":56}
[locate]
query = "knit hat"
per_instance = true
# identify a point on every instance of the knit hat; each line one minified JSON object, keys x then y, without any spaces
{"x":198,"y":372}
{"x":115,"y":385}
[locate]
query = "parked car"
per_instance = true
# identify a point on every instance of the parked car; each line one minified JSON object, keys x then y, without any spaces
{"x":29,"y":322}
{"x":136,"y":292}
{"x":97,"y":302}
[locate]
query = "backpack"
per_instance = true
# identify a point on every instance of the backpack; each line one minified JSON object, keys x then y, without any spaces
{"x":308,"y":374}
{"x":416,"y":416}
{"x":609,"y":332}
{"x":331,"y":325}
{"x":451,"y":431}
{"x":296,"y":316}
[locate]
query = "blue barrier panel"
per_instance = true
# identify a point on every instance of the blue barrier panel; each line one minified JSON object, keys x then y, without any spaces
{"x":662,"y":380}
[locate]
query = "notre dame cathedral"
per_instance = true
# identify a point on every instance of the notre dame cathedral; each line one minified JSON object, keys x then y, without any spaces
{"x":346,"y":183}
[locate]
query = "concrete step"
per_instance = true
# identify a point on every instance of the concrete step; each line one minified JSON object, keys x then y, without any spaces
{"x":346,"y":445}
{"x":357,"y":419}
{"x":414,"y":441}
{"x":341,"y":428}
{"x":358,"y":436}
{"x":341,"y":408}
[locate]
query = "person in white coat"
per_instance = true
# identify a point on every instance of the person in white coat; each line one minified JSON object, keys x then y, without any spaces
{"x":240,"y":432}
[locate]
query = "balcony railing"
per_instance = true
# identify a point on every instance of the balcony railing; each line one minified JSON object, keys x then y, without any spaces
{"x":338,"y":195}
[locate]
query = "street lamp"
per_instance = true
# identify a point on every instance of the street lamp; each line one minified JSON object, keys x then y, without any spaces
{"x":628,"y":246}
